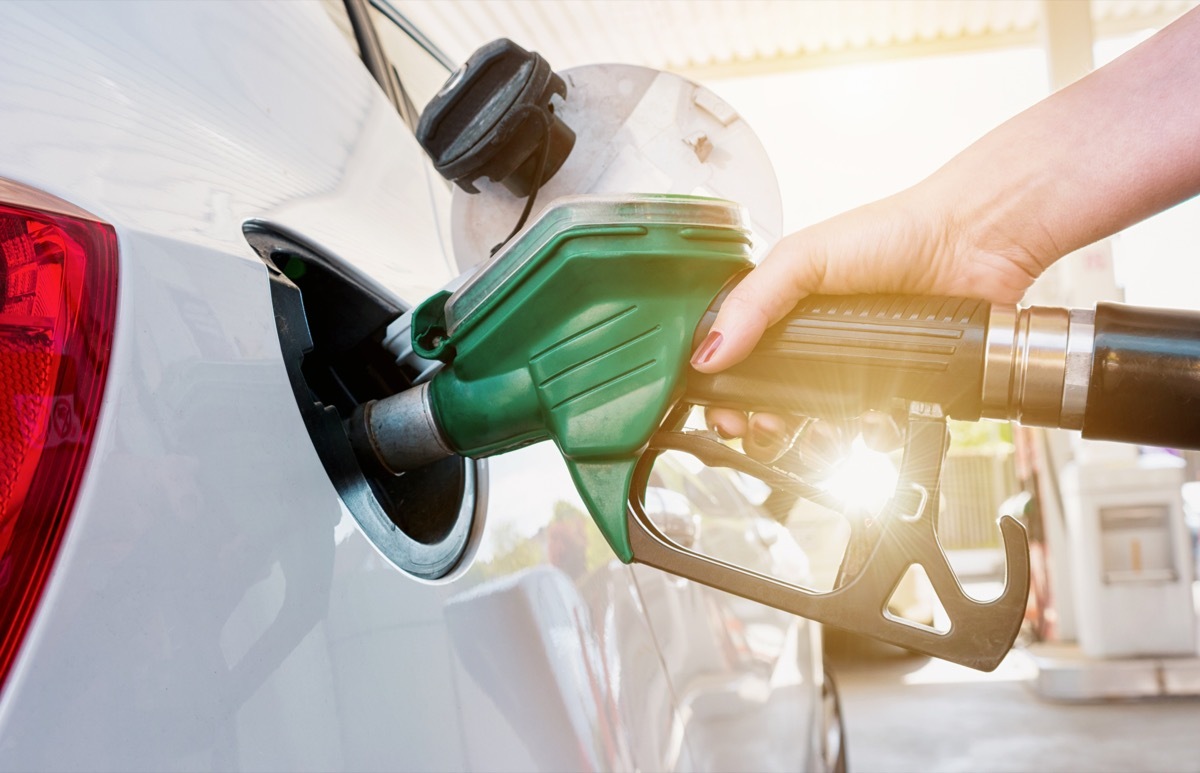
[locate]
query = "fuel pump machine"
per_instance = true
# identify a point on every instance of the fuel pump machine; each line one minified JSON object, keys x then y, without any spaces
{"x":579,"y":330}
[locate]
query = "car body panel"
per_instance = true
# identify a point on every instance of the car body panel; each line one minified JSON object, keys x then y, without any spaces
{"x":214,"y":605}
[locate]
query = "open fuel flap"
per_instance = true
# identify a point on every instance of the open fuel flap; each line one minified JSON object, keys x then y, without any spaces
{"x":333,"y":325}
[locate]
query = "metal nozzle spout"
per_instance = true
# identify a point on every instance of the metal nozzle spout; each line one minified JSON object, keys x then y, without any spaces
{"x":398,"y":433}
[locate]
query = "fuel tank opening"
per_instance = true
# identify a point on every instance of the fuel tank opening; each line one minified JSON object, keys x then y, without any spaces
{"x":333,"y":324}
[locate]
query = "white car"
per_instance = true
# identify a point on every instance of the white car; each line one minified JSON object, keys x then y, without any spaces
{"x":209,"y":214}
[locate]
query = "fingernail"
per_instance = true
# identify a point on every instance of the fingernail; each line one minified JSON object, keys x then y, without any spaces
{"x":723,"y":434}
{"x":707,"y":349}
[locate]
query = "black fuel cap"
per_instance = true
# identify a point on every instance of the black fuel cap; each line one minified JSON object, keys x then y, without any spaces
{"x":491,"y":118}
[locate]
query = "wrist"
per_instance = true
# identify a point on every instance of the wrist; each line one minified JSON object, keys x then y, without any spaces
{"x":992,"y":241}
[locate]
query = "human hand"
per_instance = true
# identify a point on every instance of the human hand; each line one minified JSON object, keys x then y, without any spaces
{"x":1091,"y":159}
{"x":908,"y":244}
{"x":904,"y":244}
{"x":766,"y":437}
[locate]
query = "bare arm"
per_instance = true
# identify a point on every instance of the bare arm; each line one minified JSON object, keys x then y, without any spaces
{"x":1110,"y":150}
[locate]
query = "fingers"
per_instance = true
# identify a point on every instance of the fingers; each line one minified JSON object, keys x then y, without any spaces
{"x":760,"y":300}
{"x":898,"y":244}
{"x":727,"y":422}
{"x":821,"y":446}
{"x":769,"y":437}
{"x":765,"y":436}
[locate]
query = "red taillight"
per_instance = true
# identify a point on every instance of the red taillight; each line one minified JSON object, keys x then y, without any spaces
{"x":58,"y":288}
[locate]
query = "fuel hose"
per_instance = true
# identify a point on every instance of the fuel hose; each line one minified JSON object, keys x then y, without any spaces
{"x":1121,"y":373}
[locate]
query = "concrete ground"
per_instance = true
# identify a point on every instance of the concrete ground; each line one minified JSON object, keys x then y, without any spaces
{"x":906,"y":714}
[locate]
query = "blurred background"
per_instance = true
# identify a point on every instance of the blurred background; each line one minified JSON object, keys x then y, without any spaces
{"x":854,"y":99}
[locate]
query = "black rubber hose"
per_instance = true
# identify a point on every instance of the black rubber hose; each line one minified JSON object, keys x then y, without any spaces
{"x":1145,"y":384}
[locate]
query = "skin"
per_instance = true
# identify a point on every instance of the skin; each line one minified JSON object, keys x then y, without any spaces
{"x":1098,"y":156}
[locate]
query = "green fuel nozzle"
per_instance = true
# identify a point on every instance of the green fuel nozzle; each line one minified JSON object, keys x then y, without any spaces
{"x":580,"y":331}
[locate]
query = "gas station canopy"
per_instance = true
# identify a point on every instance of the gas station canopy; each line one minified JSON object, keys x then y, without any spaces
{"x":745,"y":36}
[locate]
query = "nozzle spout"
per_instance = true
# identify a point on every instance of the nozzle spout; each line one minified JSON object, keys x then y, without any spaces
{"x":398,"y":433}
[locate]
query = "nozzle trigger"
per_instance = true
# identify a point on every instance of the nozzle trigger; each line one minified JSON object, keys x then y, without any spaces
{"x":980,"y":633}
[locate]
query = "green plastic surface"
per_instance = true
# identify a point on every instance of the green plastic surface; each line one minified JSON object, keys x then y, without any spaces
{"x":587,"y":345}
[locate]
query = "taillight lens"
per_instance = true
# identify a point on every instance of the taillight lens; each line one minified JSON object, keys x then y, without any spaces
{"x":58,"y":288}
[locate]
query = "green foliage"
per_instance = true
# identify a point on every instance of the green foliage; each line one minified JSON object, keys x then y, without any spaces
{"x":980,"y":435}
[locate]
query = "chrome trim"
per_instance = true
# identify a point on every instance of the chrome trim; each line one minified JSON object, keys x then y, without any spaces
{"x":1042,"y":365}
{"x":1081,"y":343}
{"x":999,"y":361}
{"x":1035,"y":369}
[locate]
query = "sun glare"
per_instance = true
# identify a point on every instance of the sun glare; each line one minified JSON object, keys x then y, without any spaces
{"x":864,"y":480}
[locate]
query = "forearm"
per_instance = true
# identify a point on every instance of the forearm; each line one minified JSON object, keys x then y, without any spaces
{"x":1096,"y":157}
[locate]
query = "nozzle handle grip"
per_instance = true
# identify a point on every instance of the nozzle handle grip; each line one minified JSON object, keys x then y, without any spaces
{"x":838,"y":356}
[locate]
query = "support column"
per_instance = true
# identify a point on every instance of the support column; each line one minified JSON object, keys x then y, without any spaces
{"x":1067,"y":40}
{"x":1086,"y":276}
